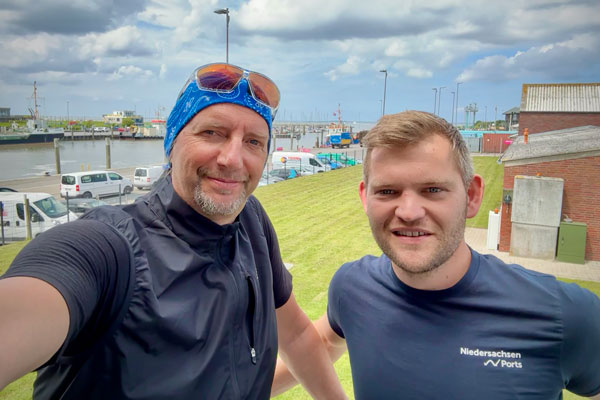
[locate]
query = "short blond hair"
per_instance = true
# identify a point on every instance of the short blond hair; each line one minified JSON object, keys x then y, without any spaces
{"x":411,"y":127}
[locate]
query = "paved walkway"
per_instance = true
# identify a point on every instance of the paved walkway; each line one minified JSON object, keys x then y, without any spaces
{"x":590,"y":271}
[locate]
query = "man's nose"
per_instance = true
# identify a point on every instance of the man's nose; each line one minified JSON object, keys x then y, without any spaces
{"x":230,"y":155}
{"x":409,"y":207}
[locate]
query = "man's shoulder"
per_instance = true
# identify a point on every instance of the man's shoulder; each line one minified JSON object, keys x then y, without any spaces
{"x":518,"y":279}
{"x":493,"y":265}
{"x":107,"y":214}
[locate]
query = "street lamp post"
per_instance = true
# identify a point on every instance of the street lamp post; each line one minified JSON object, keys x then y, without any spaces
{"x":440,"y":99}
{"x":453,"y":98}
{"x":384,"y":89}
{"x":456,"y":108}
{"x":68,"y":119}
{"x":226,"y":12}
{"x":434,"y":100}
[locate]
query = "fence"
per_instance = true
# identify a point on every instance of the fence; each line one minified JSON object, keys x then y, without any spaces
{"x":21,"y":220}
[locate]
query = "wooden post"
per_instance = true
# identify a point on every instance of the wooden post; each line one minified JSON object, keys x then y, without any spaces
{"x":107,"y":153}
{"x":57,"y":156}
{"x":27,"y":217}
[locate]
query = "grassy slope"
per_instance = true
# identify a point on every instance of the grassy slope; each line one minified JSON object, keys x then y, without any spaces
{"x":320,"y":224}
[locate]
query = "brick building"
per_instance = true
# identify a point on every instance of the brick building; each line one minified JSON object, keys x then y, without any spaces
{"x":548,"y":107}
{"x":571,"y":154}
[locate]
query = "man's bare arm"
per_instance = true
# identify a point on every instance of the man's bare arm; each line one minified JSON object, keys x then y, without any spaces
{"x":335,"y":346}
{"x":34,"y":322}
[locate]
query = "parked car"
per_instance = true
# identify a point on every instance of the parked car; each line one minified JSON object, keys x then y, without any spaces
{"x":296,"y":159}
{"x":331,"y":163}
{"x":7,"y":189}
{"x":146,"y":177}
{"x":339,"y":158}
{"x":94,"y":184}
{"x":266,"y":179}
{"x":45,"y":212}
{"x":285,"y":173}
{"x":80,"y":206}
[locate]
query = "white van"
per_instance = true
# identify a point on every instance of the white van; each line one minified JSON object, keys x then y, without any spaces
{"x":146,"y":177}
{"x":298,"y":159}
{"x":94,"y":184}
{"x":45,"y":212}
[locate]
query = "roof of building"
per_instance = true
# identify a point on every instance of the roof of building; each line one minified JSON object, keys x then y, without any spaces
{"x":560,"y":97}
{"x":514,"y":110}
{"x":581,"y":141}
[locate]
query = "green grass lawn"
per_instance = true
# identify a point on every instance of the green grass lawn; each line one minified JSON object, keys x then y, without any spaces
{"x":320,"y":224}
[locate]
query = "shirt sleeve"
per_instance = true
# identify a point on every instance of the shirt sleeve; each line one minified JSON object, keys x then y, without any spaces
{"x":581,"y":342}
{"x":333,"y":302}
{"x":282,"y":279}
{"x":88,"y":262}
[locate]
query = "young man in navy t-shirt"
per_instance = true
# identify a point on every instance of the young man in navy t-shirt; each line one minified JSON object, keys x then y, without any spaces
{"x":433,"y":319}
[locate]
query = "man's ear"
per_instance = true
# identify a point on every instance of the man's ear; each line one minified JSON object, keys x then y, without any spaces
{"x":474,"y":195}
{"x":362,"y":192}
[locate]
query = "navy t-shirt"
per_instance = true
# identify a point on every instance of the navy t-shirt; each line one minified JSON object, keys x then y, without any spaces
{"x":502,"y":332}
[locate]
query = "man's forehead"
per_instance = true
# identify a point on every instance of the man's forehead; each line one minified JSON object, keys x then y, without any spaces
{"x":227,"y":115}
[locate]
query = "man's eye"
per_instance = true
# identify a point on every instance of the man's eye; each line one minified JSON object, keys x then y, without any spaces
{"x":433,"y":190}
{"x":255,"y":142}
{"x":209,"y":133}
{"x":385,"y":191}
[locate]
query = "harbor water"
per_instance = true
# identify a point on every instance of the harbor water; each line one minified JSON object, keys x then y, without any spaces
{"x":23,"y":161}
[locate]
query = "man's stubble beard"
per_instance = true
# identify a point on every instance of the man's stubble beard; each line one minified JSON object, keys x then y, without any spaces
{"x":446,"y":247}
{"x":210,"y":207}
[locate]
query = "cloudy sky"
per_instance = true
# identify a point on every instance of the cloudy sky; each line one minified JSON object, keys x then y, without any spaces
{"x":95,"y":56}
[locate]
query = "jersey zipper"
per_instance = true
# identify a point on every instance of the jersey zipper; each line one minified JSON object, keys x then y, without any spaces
{"x":252,"y":312}
{"x":235,"y":384}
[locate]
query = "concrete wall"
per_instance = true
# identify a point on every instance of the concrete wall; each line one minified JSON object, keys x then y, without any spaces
{"x":537,"y":122}
{"x":581,"y":197}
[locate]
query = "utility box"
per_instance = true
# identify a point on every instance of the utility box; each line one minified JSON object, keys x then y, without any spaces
{"x":571,"y":242}
{"x":535,"y":216}
{"x":493,"y":232}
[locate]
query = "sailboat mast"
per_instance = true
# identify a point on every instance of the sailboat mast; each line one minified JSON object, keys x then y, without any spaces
{"x":36,"y":115}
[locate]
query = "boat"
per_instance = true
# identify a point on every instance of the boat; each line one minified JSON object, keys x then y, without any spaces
{"x":37,"y":130}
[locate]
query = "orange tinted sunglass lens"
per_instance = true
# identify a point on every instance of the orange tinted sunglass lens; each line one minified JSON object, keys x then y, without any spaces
{"x":219,"y":77}
{"x":264,"y":89}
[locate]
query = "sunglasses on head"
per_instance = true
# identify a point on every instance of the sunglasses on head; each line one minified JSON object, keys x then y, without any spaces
{"x":224,"y":78}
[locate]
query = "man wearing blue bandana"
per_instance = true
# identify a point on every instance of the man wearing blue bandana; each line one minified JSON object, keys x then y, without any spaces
{"x":181,"y":295}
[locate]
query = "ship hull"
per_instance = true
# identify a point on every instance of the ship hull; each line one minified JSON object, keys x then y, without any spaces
{"x":31,"y":138}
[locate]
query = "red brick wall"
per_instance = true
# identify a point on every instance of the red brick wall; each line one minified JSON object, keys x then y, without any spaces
{"x":494,"y":142}
{"x":581,"y":197}
{"x":537,"y":122}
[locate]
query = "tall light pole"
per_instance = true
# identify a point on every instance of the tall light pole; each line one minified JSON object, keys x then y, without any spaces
{"x":384,"y":89}
{"x":68,"y":119}
{"x":434,"y":100}
{"x":453,"y":98}
{"x":495,"y":118}
{"x":440,"y":99}
{"x":456,"y":108}
{"x":226,"y":12}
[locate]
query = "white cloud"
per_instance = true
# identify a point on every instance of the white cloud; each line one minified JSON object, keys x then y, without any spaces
{"x":419,"y":73}
{"x":553,"y":60}
{"x":22,"y":51}
{"x":352,"y":66}
{"x":163,"y":71}
{"x":132,"y":72}
{"x":123,"y":41}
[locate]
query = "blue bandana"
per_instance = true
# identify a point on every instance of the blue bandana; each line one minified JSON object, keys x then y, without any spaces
{"x":194,"y":99}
